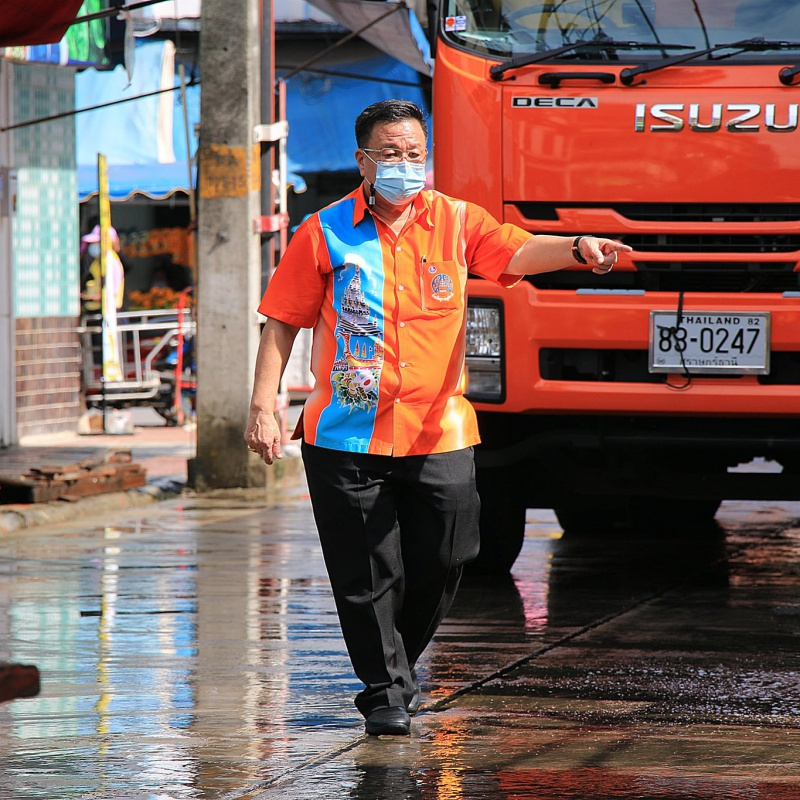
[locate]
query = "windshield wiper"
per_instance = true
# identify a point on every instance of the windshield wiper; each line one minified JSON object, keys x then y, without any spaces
{"x":758,"y":43}
{"x":498,"y":70}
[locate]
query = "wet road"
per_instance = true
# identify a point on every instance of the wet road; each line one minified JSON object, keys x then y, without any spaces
{"x":191,"y":650}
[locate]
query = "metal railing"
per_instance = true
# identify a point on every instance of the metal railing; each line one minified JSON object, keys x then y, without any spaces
{"x":144,"y":340}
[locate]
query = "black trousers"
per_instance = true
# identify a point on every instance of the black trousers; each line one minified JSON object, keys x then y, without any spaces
{"x":395,"y":534}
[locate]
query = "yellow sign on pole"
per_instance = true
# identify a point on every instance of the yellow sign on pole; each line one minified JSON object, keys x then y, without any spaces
{"x":111,"y":277}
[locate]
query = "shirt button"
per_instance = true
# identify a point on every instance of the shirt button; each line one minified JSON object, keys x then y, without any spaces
{"x":402,"y":324}
{"x":402,"y":363}
{"x":398,"y":248}
{"x":400,"y":288}
{"x":397,"y":399}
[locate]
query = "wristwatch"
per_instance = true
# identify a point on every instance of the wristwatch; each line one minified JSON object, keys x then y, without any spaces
{"x":576,"y":250}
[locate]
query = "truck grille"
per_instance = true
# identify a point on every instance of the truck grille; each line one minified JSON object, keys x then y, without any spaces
{"x":675,"y":212}
{"x":759,"y":274}
{"x":720,"y":243}
{"x":710,"y":212}
{"x":682,"y":276}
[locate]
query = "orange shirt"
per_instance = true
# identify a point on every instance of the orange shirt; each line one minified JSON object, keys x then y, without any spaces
{"x":389,"y":317}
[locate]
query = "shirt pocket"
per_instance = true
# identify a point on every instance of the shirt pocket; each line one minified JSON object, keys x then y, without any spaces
{"x":440,"y":286}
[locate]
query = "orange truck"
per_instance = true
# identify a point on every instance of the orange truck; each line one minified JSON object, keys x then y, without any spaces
{"x":645,"y":397}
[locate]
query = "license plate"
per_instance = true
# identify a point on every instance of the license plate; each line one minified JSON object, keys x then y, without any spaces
{"x":710,"y":342}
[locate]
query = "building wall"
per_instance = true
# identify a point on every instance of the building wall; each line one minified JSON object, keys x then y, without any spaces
{"x":47,"y":370}
{"x":7,"y":191}
{"x":45,"y":252}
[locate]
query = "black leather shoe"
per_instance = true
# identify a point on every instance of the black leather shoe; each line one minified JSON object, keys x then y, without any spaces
{"x":393,"y":721}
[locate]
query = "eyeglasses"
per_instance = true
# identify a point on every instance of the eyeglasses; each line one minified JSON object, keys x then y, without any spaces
{"x":392,"y":155}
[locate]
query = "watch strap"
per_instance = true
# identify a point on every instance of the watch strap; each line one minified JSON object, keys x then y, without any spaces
{"x":576,"y":250}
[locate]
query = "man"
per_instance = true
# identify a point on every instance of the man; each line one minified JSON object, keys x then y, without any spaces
{"x":387,"y":434}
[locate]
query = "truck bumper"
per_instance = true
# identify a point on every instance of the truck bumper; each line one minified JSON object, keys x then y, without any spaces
{"x":614,"y":330}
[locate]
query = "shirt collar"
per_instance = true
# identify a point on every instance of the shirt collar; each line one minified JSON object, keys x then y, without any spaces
{"x":422,"y":205}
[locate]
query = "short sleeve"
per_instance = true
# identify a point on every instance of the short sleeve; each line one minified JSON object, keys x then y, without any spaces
{"x":297,"y":287}
{"x":490,"y":244}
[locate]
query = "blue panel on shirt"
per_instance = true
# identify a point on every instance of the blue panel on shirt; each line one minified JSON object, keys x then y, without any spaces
{"x":358,"y":277}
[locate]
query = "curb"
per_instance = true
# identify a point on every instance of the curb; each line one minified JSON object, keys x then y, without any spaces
{"x":23,"y":516}
{"x":19,"y":517}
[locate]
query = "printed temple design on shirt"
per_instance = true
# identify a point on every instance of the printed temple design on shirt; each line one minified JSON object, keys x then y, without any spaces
{"x":356,"y":371}
{"x":357,"y":298}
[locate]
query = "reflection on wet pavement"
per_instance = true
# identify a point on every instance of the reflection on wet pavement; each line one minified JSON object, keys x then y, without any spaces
{"x":180,"y":648}
{"x":191,"y":650}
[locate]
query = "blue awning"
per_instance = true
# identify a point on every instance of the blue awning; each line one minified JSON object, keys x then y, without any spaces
{"x":156,"y":181}
{"x":322,"y":109}
{"x":144,"y":140}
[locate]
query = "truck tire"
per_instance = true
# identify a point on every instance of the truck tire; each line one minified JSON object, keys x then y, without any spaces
{"x":638,"y":515}
{"x":502,"y":524}
{"x":675,"y":517}
{"x":584,"y":516}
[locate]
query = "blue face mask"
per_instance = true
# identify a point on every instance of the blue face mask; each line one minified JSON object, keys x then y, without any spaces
{"x":399,"y":181}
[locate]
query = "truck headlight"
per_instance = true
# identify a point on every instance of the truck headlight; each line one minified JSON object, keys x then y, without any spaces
{"x":484,"y":354}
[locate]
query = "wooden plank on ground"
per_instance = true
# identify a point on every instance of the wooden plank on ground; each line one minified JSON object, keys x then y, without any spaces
{"x":105,"y":472}
{"x":18,"y":680}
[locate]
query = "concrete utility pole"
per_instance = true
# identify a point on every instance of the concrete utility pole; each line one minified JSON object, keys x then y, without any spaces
{"x":229,"y":248}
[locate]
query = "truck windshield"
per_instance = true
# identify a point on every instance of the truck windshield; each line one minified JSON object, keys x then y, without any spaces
{"x":514,"y":28}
